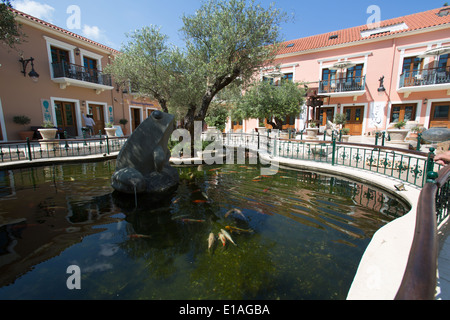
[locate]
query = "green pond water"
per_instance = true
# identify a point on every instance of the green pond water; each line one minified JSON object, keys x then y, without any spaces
{"x":302,"y":234}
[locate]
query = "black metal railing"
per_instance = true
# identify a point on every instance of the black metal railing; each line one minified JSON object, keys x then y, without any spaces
{"x":29,"y":151}
{"x":342,"y":85}
{"x":420,"y":279}
{"x":425,"y":77}
{"x":73,"y":71}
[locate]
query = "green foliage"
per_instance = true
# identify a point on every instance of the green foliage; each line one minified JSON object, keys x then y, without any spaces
{"x":400,"y":124}
{"x":340,"y":118}
{"x":10,"y":31}
{"x":264,"y":100}
{"x":226,"y":41}
{"x":217,"y":116}
{"x":22,"y":120}
{"x":48,"y":124}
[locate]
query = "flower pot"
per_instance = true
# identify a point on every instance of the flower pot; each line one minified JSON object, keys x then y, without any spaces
{"x":345,"y":137}
{"x":398,"y":134}
{"x":48,"y":134}
{"x":26,"y":134}
{"x":312,"y":132}
{"x":110,"y":132}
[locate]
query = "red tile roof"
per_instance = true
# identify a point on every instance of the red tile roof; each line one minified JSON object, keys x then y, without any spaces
{"x":63,"y":31}
{"x":417,"y":21}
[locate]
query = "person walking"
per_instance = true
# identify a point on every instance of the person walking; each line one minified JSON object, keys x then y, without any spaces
{"x":89,"y":123}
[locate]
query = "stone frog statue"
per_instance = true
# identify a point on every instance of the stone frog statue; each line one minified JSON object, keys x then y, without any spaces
{"x":143,"y":163}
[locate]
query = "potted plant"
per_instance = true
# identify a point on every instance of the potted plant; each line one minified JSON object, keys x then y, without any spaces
{"x":398,"y":133}
{"x":414,"y":132}
{"x":340,"y":119}
{"x":312,"y":131}
{"x":48,"y":130}
{"x":345,"y":134}
{"x":110,"y":130}
{"x":24,"y":120}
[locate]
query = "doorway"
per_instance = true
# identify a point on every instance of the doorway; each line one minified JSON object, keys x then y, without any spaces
{"x":440,"y":115}
{"x":66,"y":118}
{"x":135,"y":118}
{"x":324,"y":115}
{"x":98,"y":114}
{"x":354,"y":117}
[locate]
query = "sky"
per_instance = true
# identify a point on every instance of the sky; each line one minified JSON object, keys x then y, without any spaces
{"x":108,"y":21}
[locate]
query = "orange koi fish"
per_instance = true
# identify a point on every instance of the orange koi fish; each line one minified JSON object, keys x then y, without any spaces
{"x":199,"y":201}
{"x":222,"y":238}
{"x":137,"y":236}
{"x":192,"y":220}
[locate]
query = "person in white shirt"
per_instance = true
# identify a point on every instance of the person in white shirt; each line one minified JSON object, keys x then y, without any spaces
{"x":90,"y":123}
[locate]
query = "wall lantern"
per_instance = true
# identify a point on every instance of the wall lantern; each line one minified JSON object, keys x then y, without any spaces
{"x":33,"y":74}
{"x":425,"y":101}
{"x":381,"y":88}
{"x":77,"y":51}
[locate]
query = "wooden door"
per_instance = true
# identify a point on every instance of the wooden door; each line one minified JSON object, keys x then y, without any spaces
{"x":324,"y":115}
{"x":440,"y":115}
{"x":66,"y":117}
{"x":135,"y":118}
{"x":289,"y":122}
{"x":237,"y":126}
{"x":411,"y":68}
{"x":354,"y":117}
{"x":98,"y":114}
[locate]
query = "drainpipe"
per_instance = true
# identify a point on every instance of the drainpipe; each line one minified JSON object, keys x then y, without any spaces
{"x":392,"y":77}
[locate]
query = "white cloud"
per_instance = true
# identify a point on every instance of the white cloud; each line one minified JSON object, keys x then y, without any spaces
{"x":93,"y":32}
{"x":96,"y":34}
{"x":36,"y":9}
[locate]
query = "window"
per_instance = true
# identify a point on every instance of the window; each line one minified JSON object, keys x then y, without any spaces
{"x":441,"y":111}
{"x":403,"y":113}
{"x":444,"y":63}
{"x":288,"y":77}
{"x":90,"y":63}
{"x":355,"y":73}
{"x":59,"y":55}
{"x":412,"y":65}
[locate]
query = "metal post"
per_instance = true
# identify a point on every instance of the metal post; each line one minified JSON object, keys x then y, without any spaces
{"x":107,"y":145}
{"x":419,"y":137}
{"x":430,"y":161}
{"x":333,"y":154}
{"x":29,"y":149}
{"x":383,"y":137}
{"x":376,"y":138}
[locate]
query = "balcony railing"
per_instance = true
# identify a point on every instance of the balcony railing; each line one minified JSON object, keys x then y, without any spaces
{"x":433,"y":76}
{"x":76,"y":72}
{"x":342,"y":85}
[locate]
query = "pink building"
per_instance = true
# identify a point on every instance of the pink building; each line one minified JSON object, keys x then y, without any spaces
{"x":387,"y":73}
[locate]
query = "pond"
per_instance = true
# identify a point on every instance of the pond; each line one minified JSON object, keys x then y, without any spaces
{"x":297,"y":235}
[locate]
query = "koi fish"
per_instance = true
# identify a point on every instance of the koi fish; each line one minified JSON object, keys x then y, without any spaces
{"x":199,"y":201}
{"x":235,"y":210}
{"x":266,"y":190}
{"x":205,"y":195}
{"x":137,"y":236}
{"x":192,"y":220}
{"x":227,"y":235}
{"x":256,"y":180}
{"x":176,"y":200}
{"x":222,"y":238}
{"x":211,"y":240}
{"x":238,"y":230}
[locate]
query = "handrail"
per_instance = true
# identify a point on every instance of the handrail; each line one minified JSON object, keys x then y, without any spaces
{"x":419,"y":280}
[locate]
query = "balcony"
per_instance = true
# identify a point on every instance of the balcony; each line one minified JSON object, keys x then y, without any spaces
{"x":343,"y":87}
{"x":67,"y":74}
{"x":432,"y":79}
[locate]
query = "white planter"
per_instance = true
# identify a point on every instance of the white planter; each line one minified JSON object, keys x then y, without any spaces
{"x":110,"y":132}
{"x":48,"y":134}
{"x":312,"y":132}
{"x":398,"y":134}
{"x":344,"y":138}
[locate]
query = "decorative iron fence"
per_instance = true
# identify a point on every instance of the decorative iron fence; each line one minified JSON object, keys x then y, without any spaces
{"x":73,"y":71}
{"x":45,"y":149}
{"x":342,"y":85}
{"x":405,"y":165}
{"x":425,"y":77}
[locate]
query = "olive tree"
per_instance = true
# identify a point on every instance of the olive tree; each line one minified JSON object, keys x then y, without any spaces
{"x":10,"y":31}
{"x":273,"y":102}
